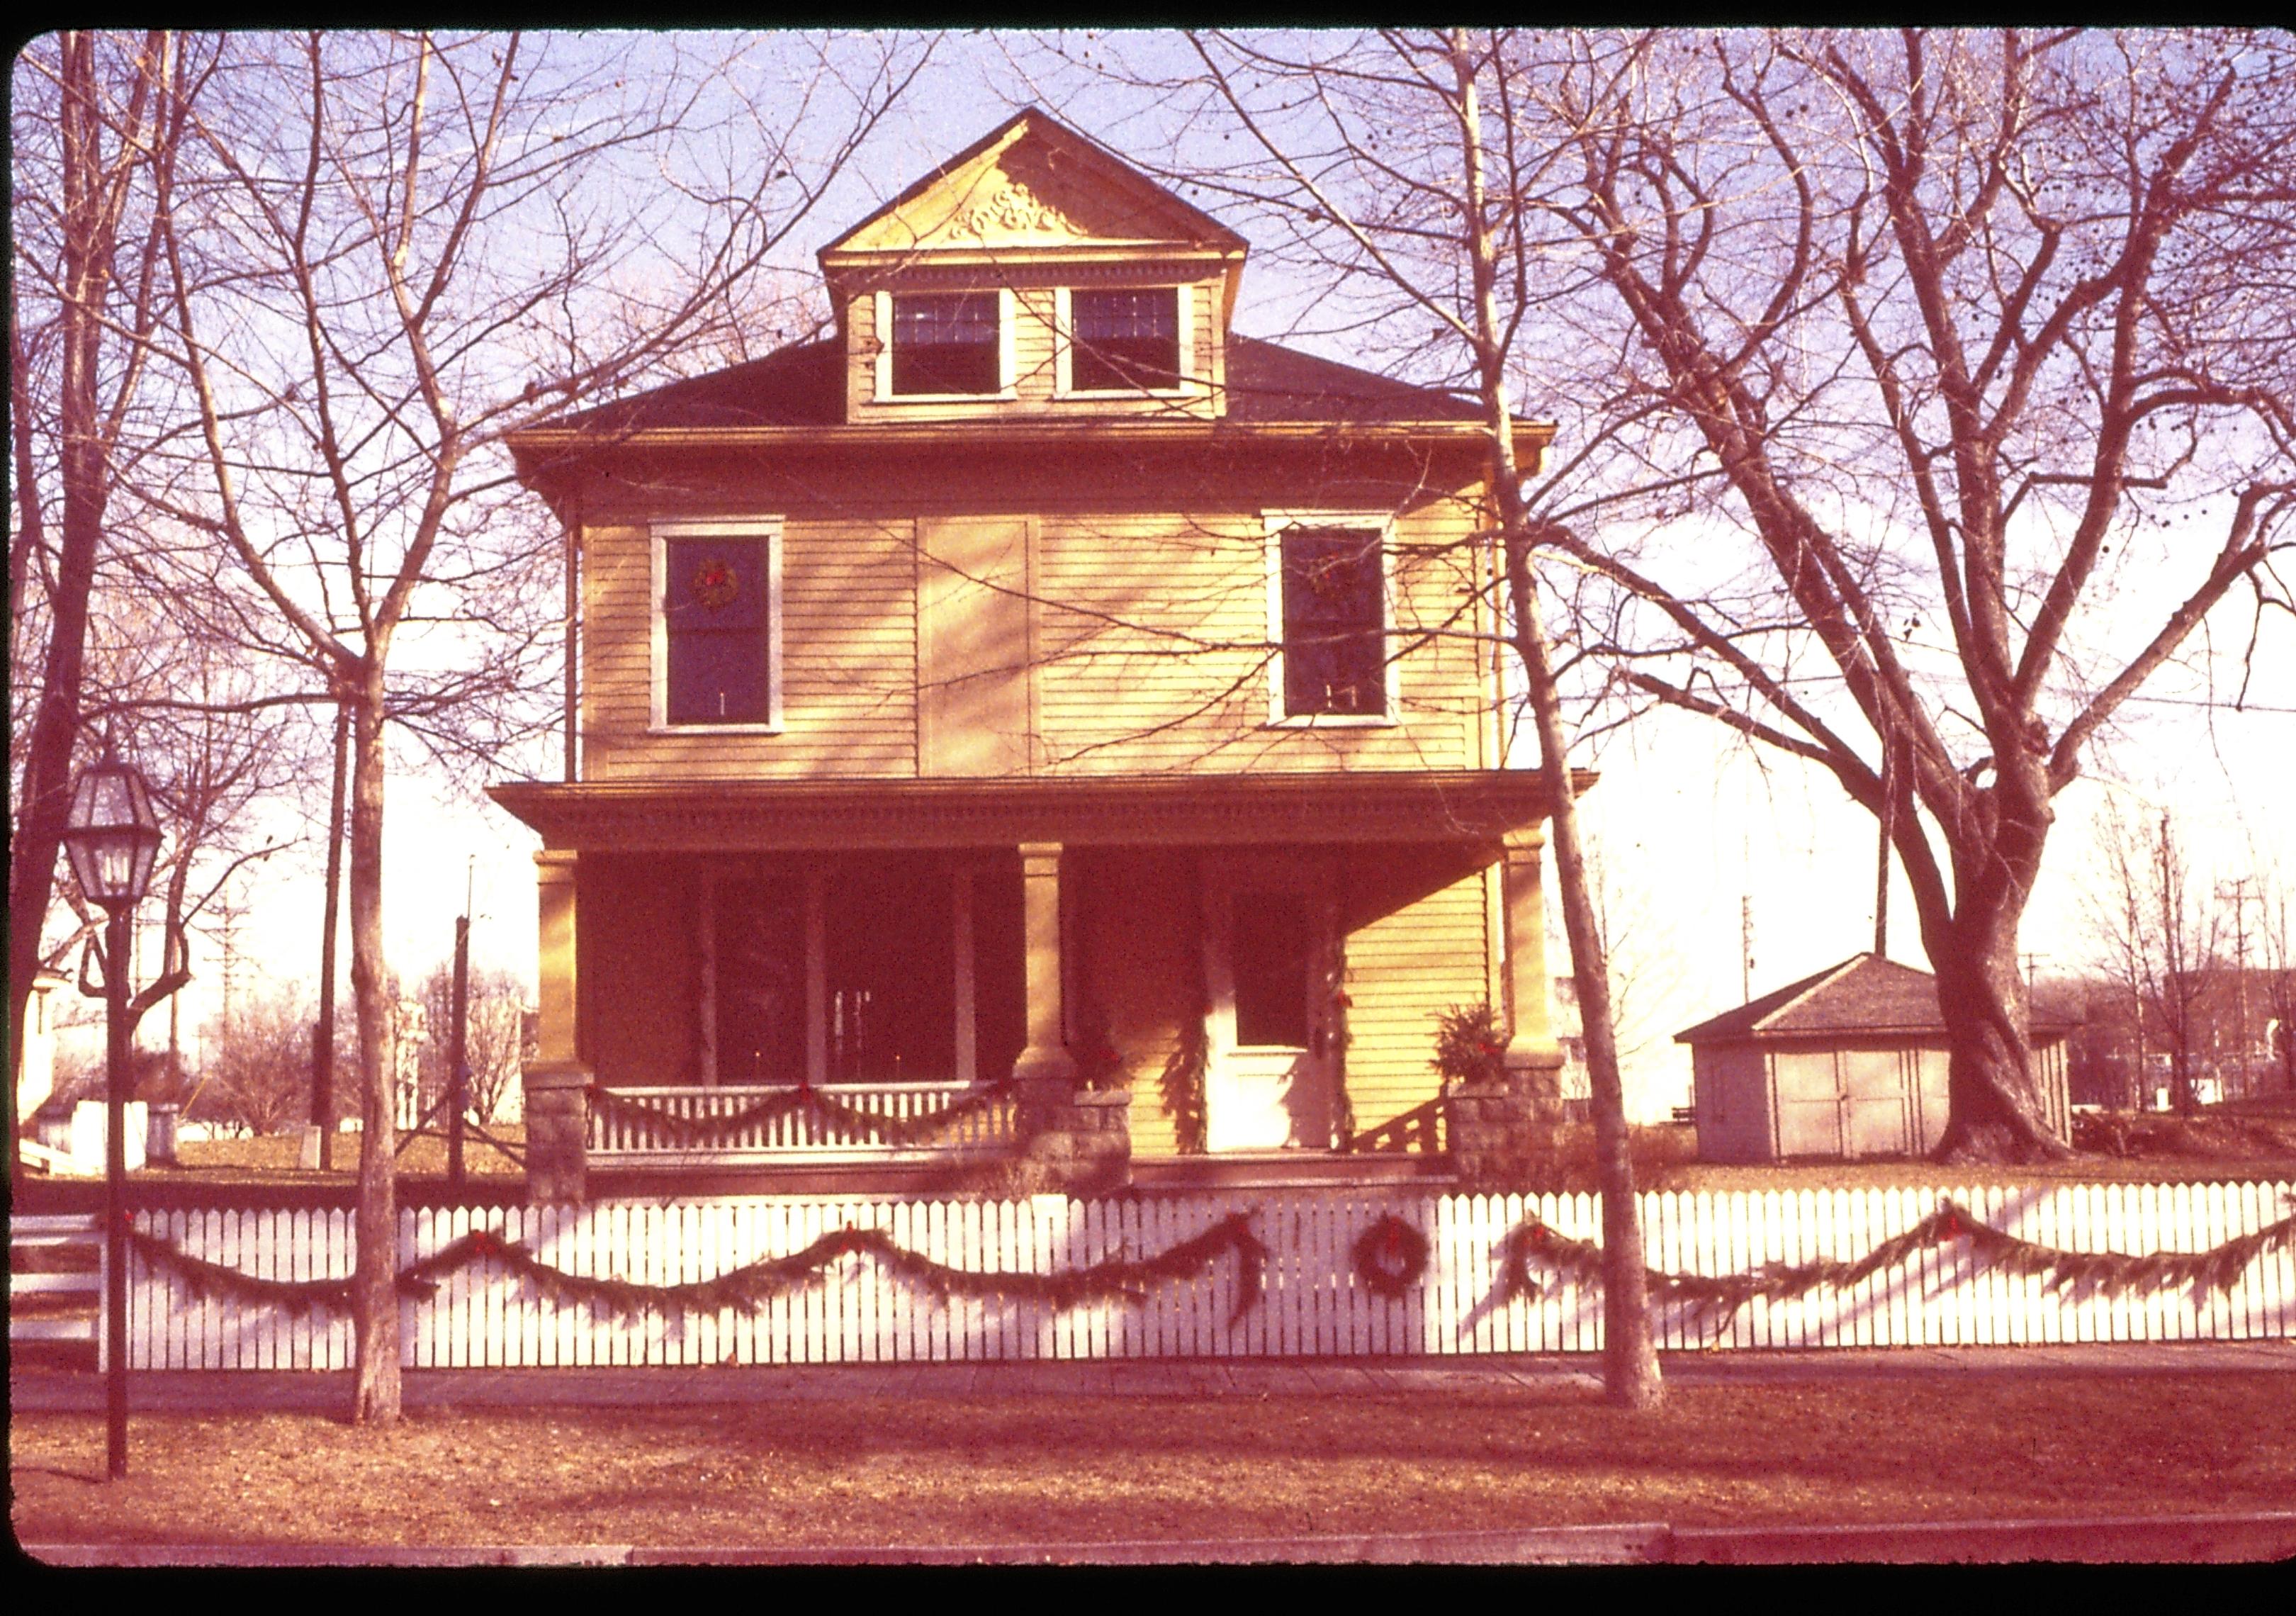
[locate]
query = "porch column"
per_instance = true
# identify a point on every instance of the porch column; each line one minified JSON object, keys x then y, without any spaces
{"x":1530,"y":1047}
{"x":960,"y":926}
{"x":554,"y":1081}
{"x":1046,"y":1059}
{"x":816,"y":976}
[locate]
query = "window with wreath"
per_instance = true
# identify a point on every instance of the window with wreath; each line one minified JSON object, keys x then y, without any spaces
{"x":1123,"y":340}
{"x":945,"y":342}
{"x":716,"y":615}
{"x":1334,"y":623}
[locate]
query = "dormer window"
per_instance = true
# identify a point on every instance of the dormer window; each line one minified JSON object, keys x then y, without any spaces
{"x":946,"y":343}
{"x":1124,"y":341}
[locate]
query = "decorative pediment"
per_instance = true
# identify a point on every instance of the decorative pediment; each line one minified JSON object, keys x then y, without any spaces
{"x":1034,"y":184}
{"x":1010,"y":211}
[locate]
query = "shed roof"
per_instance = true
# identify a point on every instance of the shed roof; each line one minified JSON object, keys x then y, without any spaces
{"x":1865,"y":993}
{"x":804,"y":386}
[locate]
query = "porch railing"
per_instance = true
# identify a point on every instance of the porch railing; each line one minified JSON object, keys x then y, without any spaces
{"x":841,"y":1121}
{"x":1419,"y":1132}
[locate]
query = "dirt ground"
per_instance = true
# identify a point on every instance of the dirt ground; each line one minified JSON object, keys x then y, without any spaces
{"x":972,"y":1470}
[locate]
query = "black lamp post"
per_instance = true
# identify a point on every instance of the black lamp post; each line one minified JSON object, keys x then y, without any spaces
{"x":112,"y":838}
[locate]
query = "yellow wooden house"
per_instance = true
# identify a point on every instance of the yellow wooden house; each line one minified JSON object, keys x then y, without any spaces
{"x":1035,"y":722}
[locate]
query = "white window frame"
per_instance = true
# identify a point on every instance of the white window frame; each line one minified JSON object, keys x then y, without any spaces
{"x":1381,"y":523}
{"x":768,"y":528}
{"x":1008,"y":309}
{"x":1063,"y":337}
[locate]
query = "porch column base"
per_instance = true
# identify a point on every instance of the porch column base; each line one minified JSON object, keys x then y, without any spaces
{"x":1503,"y":1134}
{"x":1075,"y":1141}
{"x":557,"y":1129}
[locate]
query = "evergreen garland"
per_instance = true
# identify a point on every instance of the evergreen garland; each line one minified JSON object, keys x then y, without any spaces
{"x":718,"y":1130}
{"x":750,"y":1286}
{"x":1719,"y":1297}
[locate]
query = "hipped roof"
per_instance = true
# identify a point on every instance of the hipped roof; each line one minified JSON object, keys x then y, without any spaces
{"x":804,"y":386}
{"x":1864,"y":995}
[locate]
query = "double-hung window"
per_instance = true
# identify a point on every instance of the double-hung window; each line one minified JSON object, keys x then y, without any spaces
{"x":716,"y":625}
{"x":945,"y":342}
{"x":1125,"y":339}
{"x":1332,"y":602}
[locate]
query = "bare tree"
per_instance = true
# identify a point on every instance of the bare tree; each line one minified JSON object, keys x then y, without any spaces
{"x":1374,"y":161}
{"x":1940,"y":327}
{"x":390,"y":251}
{"x":255,"y":1067}
{"x":2279,"y":950}
{"x":93,"y":131}
{"x":2160,"y":935}
{"x":493,"y":1040}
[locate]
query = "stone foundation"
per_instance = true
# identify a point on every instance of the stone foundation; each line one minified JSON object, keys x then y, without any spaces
{"x":557,"y":1127}
{"x":1501,"y":1133}
{"x":1079,"y":1140}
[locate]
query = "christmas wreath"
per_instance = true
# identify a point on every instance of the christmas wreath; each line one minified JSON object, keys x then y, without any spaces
{"x":715,"y":582}
{"x":1389,"y":1257}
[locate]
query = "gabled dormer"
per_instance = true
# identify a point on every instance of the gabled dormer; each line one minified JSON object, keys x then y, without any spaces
{"x":1034,"y":275}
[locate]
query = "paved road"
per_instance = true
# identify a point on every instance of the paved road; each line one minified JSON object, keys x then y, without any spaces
{"x":219,"y":1389}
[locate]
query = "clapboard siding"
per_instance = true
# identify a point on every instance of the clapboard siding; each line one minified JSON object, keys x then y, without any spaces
{"x":848,"y":659}
{"x":1151,"y":635}
{"x":1312,"y":1303}
{"x":1415,"y":945}
{"x":1154,"y":651}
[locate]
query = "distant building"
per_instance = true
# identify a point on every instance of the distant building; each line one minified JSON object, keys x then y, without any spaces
{"x":1850,"y":1062}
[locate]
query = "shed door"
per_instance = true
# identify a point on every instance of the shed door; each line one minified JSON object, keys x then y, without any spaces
{"x":1809,"y":1103}
{"x":1873,"y":1122}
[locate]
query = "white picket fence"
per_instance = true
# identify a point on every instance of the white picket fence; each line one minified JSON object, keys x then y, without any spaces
{"x":1312,"y":1304}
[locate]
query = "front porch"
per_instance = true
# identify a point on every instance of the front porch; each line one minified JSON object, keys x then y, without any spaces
{"x":1184,"y":982}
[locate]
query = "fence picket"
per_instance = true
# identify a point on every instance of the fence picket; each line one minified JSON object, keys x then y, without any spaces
{"x":1312,"y":1303}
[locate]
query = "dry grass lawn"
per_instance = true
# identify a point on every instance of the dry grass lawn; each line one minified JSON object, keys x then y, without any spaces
{"x":981,"y":1471}
{"x":2165,"y":1151}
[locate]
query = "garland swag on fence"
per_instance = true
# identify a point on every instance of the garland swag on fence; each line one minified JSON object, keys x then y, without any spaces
{"x":750,"y":1286}
{"x":1721,"y":1296}
{"x":718,"y":1130}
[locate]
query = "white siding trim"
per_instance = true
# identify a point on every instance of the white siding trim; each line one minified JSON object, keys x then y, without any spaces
{"x":1382,"y":522}
{"x":1063,"y":367}
{"x":767,"y":527}
{"x":1007,"y":365}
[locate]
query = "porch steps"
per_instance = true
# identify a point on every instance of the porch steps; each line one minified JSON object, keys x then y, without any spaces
{"x":55,"y":1292}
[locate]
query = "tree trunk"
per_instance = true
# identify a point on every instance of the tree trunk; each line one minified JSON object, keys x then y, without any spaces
{"x":1993,"y":1094}
{"x":85,"y":473}
{"x":1630,"y":1371}
{"x":375,"y":1300}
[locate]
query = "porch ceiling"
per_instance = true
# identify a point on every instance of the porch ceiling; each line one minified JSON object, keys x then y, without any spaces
{"x":1432,"y":805}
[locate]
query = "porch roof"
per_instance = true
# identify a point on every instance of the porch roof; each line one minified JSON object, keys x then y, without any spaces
{"x":701,"y":815}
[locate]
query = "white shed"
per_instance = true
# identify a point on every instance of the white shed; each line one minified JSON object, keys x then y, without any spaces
{"x":1850,"y":1062}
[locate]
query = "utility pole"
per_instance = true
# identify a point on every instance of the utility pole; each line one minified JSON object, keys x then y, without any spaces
{"x":1745,"y":947}
{"x":2237,"y":894}
{"x":457,"y":1045}
{"x":319,"y":1148}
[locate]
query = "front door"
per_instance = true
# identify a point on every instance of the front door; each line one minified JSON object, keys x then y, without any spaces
{"x":1268,"y":959}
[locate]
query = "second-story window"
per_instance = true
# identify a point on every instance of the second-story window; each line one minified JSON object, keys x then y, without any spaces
{"x":945,"y":342}
{"x":716,"y":620}
{"x":1123,"y":340}
{"x":1334,"y":623}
